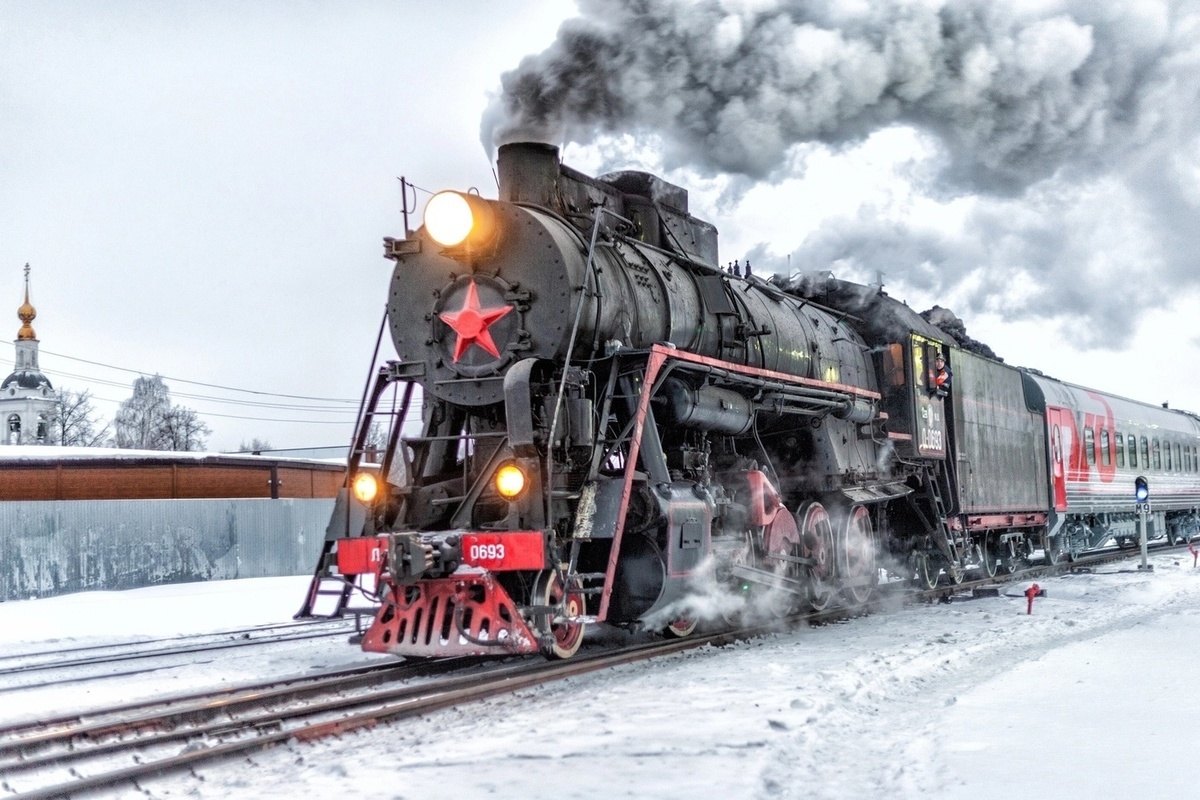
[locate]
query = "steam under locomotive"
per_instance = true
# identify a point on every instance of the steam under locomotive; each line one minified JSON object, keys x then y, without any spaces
{"x":612,"y":424}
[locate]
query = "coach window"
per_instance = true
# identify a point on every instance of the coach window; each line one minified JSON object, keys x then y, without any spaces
{"x":1089,"y":445}
{"x":1157,"y":455}
{"x":1120,"y":450}
{"x":1167,"y":456}
{"x":1187,"y":459}
{"x":1178,"y":458}
{"x":1105,"y":447}
{"x":1133,"y":462}
{"x":1145,"y":453}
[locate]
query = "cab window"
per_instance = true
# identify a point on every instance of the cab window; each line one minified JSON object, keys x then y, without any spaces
{"x":893,"y":364}
{"x":920,"y":368}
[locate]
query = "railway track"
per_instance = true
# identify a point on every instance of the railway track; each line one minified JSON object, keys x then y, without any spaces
{"x":22,"y":664}
{"x":178,"y":731}
{"x":246,"y":721}
{"x":137,"y":741}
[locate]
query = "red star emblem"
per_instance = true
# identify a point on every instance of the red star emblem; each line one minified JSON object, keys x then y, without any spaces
{"x":471,"y":323}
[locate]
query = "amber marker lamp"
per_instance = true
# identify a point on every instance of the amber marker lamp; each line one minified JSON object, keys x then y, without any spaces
{"x":365,"y":487}
{"x":510,"y":481}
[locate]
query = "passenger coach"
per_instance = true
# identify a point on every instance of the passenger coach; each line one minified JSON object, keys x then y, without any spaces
{"x":1098,"y":445}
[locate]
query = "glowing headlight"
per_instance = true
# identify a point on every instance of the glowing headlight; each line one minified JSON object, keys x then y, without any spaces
{"x":365,"y":487}
{"x":448,"y":218}
{"x":510,"y":481}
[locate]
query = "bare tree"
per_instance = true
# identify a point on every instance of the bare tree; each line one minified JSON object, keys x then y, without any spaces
{"x":77,"y":423}
{"x":376,"y":442}
{"x":140,"y":419}
{"x":183,"y":430}
{"x":149,"y":421}
{"x":255,"y":445}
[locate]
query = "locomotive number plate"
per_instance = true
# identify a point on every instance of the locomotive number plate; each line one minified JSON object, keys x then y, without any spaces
{"x":504,"y":551}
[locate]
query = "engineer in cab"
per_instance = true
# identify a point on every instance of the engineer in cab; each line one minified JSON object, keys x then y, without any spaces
{"x":941,"y":376}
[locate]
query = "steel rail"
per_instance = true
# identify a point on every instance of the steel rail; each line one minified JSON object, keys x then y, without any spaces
{"x":222,"y":642}
{"x":34,"y":732}
{"x":172,"y":724}
{"x":162,"y":639}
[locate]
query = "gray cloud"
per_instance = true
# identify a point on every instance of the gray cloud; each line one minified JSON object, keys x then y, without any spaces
{"x":1092,"y":258}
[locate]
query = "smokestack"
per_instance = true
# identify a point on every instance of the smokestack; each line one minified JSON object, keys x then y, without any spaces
{"x":528,"y":173}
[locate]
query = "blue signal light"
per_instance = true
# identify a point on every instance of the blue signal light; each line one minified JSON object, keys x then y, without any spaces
{"x":1141,"y":489}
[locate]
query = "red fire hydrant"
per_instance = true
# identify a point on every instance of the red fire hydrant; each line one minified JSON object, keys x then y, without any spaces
{"x":1030,"y":593}
{"x":1195,"y":553}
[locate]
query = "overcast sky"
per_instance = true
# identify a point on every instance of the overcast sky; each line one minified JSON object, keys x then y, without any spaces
{"x":201,"y":189}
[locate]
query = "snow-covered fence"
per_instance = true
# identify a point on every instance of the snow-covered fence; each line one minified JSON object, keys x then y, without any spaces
{"x":57,"y":547}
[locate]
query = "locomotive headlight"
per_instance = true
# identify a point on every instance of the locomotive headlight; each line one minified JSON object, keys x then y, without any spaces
{"x":365,"y":487}
{"x":510,"y":481}
{"x":454,"y":218}
{"x":448,"y":218}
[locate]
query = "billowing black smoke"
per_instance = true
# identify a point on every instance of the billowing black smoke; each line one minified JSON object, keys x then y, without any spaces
{"x":1073,"y":121}
{"x":1014,"y":91}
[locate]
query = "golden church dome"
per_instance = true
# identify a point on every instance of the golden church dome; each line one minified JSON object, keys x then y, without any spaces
{"x":26,"y":313}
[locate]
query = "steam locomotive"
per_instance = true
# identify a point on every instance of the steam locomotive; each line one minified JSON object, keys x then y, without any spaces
{"x":615,"y":429}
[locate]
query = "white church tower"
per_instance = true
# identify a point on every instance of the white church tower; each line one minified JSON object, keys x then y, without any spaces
{"x":28,"y":405}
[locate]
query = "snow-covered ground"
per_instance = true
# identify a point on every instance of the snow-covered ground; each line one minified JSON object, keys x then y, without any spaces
{"x":1091,"y":696}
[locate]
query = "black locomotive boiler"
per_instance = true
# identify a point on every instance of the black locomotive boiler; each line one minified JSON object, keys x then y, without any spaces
{"x":615,"y":429}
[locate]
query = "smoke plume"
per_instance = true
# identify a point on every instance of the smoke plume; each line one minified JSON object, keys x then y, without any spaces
{"x":1071,"y":125}
{"x":1015,"y":90}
